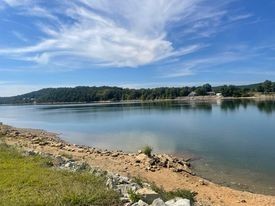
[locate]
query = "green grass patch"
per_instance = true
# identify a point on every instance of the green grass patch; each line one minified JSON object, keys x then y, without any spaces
{"x":31,"y":181}
{"x":134,"y":197}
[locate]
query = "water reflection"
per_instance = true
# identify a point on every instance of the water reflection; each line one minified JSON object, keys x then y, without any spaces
{"x":267,"y":106}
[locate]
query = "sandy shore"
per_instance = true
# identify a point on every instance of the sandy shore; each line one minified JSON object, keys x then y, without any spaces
{"x":167,"y":171}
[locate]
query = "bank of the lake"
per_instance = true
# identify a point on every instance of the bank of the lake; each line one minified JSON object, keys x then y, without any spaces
{"x":175,"y":175}
{"x":231,"y":140}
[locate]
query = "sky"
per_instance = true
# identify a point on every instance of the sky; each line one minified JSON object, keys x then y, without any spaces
{"x":134,"y":43}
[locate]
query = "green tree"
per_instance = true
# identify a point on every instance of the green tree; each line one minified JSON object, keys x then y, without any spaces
{"x":201,"y":91}
{"x":267,"y":85}
{"x":207,"y":87}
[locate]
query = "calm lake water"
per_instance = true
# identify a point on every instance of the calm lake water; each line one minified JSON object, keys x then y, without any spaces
{"x":233,"y":142}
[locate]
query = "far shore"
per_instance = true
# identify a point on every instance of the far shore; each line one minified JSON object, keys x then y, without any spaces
{"x":165,"y":170}
{"x":258,"y":97}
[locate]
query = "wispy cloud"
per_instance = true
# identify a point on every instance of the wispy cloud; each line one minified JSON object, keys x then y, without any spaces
{"x":195,"y":65}
{"x":240,"y":17}
{"x":20,"y":36}
{"x":116,"y":33}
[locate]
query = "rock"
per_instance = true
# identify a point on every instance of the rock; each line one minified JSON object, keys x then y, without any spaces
{"x":140,"y":203}
{"x":152,"y":162}
{"x":178,"y":202}
{"x":115,"y":155}
{"x":158,"y":202}
{"x":43,"y":143}
{"x":69,"y":165}
{"x":142,"y":157}
{"x":80,"y":150}
{"x":166,"y":156}
{"x":124,"y":188}
{"x":182,"y":168}
{"x":124,"y":200}
{"x":148,"y":195}
{"x":58,"y":161}
{"x":203,"y":182}
{"x":30,"y":153}
{"x":123,"y":180}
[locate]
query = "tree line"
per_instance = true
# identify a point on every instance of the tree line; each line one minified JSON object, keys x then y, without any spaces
{"x":105,"y":93}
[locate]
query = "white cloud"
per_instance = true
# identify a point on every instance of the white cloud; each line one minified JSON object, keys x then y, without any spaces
{"x":240,"y":17}
{"x":17,"y":2}
{"x":193,"y":66}
{"x":116,"y":33}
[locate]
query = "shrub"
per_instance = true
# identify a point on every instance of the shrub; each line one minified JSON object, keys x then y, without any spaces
{"x":147,"y":150}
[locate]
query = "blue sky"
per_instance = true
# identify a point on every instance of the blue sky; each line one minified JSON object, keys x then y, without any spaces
{"x":136,"y":44}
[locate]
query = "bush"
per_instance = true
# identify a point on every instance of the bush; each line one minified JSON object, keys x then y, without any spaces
{"x":147,"y":150}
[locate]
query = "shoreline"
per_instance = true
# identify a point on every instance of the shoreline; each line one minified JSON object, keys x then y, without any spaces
{"x":168,"y":171}
{"x":189,"y":99}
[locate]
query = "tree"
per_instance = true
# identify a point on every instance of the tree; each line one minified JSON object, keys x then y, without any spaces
{"x":207,"y":87}
{"x":267,"y":85}
{"x":201,"y":91}
{"x":273,"y":87}
{"x":260,"y":88}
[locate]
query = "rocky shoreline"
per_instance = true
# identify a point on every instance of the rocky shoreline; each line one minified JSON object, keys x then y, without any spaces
{"x":121,"y":168}
{"x":120,"y":184}
{"x":152,"y":163}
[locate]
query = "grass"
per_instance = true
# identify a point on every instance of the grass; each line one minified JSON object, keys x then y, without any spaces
{"x":147,"y":150}
{"x":138,"y":181}
{"x":31,"y":181}
{"x":134,"y":197}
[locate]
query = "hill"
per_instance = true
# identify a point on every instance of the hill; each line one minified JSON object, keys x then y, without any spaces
{"x":94,"y":94}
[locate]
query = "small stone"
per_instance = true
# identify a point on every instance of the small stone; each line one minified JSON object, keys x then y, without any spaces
{"x":202,"y":182}
{"x":115,"y":155}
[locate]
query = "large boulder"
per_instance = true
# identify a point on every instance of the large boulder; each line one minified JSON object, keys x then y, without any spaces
{"x":178,"y":202}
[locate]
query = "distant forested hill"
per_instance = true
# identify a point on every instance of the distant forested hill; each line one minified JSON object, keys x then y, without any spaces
{"x":105,"y":93}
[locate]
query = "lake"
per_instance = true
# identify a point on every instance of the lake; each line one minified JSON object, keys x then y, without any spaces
{"x":232,"y":141}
